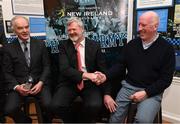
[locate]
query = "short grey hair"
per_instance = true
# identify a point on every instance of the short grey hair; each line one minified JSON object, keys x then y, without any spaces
{"x":15,"y":18}
{"x":77,"y":20}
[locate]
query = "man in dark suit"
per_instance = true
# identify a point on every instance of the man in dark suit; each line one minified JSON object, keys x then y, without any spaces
{"x":27,"y":69}
{"x":79,"y":61}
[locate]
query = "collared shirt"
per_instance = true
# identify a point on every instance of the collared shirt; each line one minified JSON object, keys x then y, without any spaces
{"x":147,"y":45}
{"x":82,"y":54}
{"x":22,"y":43}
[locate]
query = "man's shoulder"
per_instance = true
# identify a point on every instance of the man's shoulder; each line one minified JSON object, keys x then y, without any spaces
{"x":164,"y":42}
{"x":67,"y":41}
{"x":65,"y":44}
{"x":11,"y":44}
{"x":91,"y":42}
{"x":37,"y":40}
{"x":133,"y":42}
{"x":9,"y":47}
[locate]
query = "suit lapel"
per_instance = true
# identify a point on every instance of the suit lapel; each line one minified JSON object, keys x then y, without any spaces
{"x":88,"y":52}
{"x":32,"y":51}
{"x":20,"y":51}
{"x":72,"y":53}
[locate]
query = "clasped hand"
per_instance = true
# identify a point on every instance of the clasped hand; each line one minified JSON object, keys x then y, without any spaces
{"x":100,"y":78}
{"x":33,"y":91}
{"x":96,"y":77}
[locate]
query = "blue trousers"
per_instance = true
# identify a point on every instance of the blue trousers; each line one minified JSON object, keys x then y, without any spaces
{"x":146,"y":109}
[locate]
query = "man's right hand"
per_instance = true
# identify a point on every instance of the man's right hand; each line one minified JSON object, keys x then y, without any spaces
{"x":89,"y":76}
{"x":101,"y":78}
{"x":96,"y":77}
{"x":20,"y":89}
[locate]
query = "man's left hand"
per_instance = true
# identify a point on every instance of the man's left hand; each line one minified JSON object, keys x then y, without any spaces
{"x":37,"y":88}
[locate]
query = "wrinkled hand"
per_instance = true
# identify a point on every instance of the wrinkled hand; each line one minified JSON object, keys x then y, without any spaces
{"x":89,"y":76}
{"x":37,"y":88}
{"x":101,"y":78}
{"x":96,"y":77}
{"x":93,"y":77}
{"x":110,"y":103}
{"x":22,"y":90}
{"x":138,"y":96}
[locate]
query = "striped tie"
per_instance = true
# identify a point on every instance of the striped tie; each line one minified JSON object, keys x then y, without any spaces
{"x":26,"y":53}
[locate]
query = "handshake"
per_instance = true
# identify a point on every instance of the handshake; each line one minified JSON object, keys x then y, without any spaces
{"x":96,"y":77}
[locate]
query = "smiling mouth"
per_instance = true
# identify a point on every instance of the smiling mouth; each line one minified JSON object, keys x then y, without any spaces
{"x":25,"y":34}
{"x":141,"y":32}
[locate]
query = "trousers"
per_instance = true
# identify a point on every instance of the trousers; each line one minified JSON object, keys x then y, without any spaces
{"x":146,"y":109}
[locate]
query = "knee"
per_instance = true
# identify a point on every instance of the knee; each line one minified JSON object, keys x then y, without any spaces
{"x":10,"y":109}
{"x":47,"y":104}
{"x":56,"y":107}
{"x":143,"y":119}
{"x":94,"y":106}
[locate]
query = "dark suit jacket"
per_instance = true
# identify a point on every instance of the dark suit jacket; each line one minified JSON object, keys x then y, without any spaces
{"x":2,"y":83}
{"x":15,"y":67}
{"x":94,"y":61}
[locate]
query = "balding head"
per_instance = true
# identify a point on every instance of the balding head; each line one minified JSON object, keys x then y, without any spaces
{"x":148,"y":25}
{"x":151,"y":17}
{"x":15,"y":18}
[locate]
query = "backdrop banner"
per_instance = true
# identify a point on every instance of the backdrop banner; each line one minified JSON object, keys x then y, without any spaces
{"x":105,"y":22}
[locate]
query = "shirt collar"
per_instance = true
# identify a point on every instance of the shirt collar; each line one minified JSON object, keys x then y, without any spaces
{"x":151,"y":42}
{"x":82,"y":43}
{"x":21,"y":42}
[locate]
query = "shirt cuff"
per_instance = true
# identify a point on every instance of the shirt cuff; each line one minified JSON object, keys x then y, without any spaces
{"x":41,"y":82}
{"x":15,"y":87}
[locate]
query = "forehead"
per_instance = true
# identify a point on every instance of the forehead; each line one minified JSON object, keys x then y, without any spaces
{"x":144,"y":20}
{"x":148,"y":17}
{"x":21,"y":22}
{"x":74,"y":25}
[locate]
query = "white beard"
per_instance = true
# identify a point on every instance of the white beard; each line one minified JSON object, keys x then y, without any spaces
{"x":74,"y":38}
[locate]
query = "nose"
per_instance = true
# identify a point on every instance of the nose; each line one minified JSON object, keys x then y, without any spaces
{"x":71,"y":31}
{"x":24,"y":30}
{"x":140,"y":27}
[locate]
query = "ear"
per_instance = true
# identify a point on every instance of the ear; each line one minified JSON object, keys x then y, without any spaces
{"x":82,"y":31}
{"x":156,"y":27}
{"x":13,"y":29}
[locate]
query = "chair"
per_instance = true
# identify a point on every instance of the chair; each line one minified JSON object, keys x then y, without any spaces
{"x":132,"y":112}
{"x":28,"y":101}
{"x":104,"y":115}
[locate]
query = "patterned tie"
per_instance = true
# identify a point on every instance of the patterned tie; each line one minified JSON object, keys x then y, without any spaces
{"x":80,"y":85}
{"x":26,"y":53}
